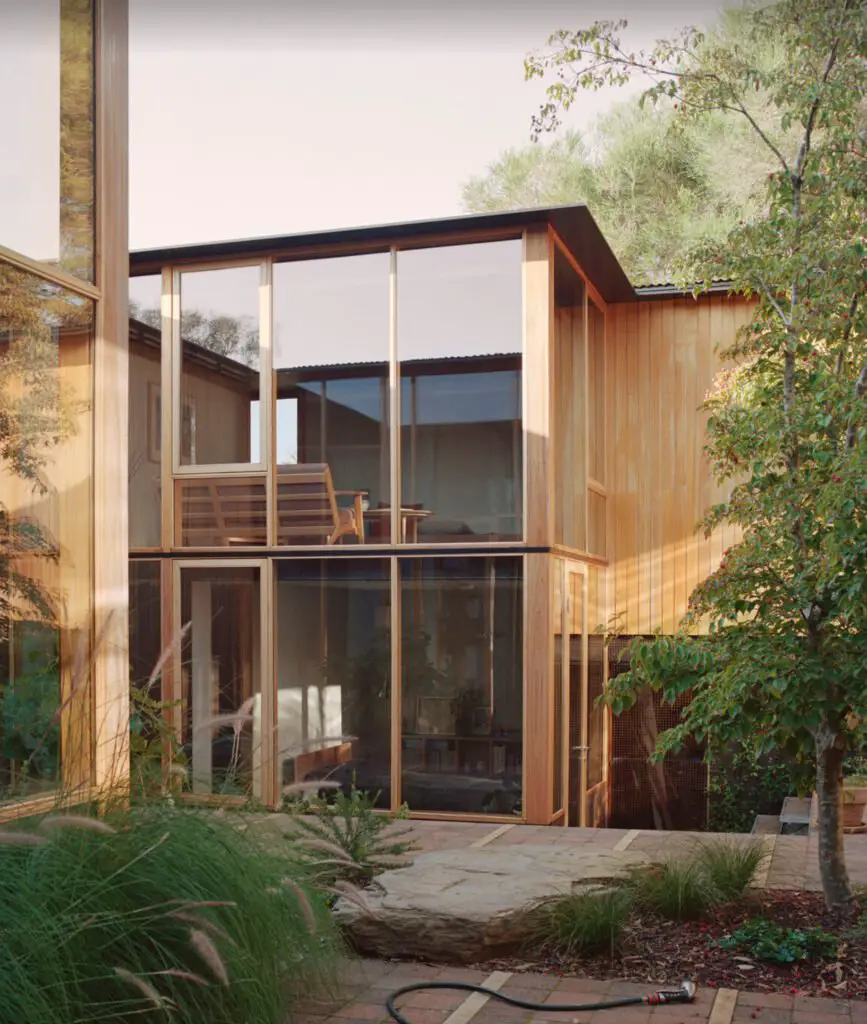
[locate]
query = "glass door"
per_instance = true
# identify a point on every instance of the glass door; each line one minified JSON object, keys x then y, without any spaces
{"x":224,"y":721}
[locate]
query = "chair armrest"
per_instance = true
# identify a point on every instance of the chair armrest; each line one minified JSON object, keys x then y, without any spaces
{"x":361,"y":494}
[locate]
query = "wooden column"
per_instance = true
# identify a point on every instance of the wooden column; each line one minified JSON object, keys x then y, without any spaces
{"x":538,"y":511}
{"x":111,"y":427}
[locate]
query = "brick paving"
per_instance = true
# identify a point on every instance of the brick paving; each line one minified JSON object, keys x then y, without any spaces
{"x":366,"y":983}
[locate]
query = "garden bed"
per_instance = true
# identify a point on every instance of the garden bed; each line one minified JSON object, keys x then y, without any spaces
{"x":658,"y":951}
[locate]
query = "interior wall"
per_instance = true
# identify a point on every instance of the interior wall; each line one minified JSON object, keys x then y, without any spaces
{"x":662,"y":358}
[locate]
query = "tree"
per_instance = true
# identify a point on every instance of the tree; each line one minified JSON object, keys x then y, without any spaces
{"x":783,"y":661}
{"x":657,"y":184}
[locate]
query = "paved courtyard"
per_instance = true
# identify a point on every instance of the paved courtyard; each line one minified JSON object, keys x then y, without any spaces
{"x":793,"y":862}
{"x":368,"y":982}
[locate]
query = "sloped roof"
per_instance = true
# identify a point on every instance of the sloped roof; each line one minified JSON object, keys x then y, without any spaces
{"x":574,"y":224}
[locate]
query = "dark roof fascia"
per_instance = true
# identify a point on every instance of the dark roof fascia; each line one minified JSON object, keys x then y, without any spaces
{"x":574,"y":224}
{"x":673,"y":291}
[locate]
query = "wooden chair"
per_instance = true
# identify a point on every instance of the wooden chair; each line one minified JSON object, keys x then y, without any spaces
{"x":307,"y":506}
{"x":230,"y":511}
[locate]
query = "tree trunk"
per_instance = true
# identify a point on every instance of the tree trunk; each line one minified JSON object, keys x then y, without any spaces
{"x":832,"y":859}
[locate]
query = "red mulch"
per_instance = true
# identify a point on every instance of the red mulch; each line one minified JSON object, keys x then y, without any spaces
{"x":664,"y":952}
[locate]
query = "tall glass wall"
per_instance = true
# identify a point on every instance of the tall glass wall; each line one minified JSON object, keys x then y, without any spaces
{"x":331,"y":377}
{"x":145,"y":410}
{"x":333,"y":631}
{"x":221,"y":680}
{"x":47,"y":178}
{"x":459,"y":331}
{"x":462,"y":684}
{"x":46,"y":527}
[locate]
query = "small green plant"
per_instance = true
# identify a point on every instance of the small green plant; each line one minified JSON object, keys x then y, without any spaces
{"x":582,"y":922}
{"x":347,"y":838}
{"x":675,"y":889}
{"x":767,"y":940}
{"x":730,"y":867}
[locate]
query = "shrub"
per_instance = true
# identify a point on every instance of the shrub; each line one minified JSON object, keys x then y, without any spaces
{"x":349,"y":839}
{"x":767,"y":940}
{"x":582,"y":922}
{"x":676,"y":889}
{"x":730,"y":867}
{"x":742,"y":786}
{"x":160,"y":915}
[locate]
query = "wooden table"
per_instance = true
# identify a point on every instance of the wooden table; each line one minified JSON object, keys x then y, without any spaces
{"x":409,"y":520}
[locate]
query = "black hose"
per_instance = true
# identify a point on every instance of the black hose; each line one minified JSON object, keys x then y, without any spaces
{"x":685,"y":994}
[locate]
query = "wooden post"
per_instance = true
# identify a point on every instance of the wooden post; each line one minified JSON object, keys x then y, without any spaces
{"x":110,"y":416}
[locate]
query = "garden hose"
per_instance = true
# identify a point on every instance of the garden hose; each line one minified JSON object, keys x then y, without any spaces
{"x":684,"y":994}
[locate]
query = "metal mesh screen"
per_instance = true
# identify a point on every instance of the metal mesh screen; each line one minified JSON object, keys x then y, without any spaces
{"x":669,"y":795}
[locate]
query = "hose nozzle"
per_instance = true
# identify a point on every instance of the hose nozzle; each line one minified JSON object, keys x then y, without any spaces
{"x":684,"y":994}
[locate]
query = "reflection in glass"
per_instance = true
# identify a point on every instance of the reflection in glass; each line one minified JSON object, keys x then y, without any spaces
{"x":569,"y":401}
{"x":219,"y":421}
{"x":220,"y":680}
{"x":331,"y":345}
{"x":462,"y":684}
{"x":229,"y":511}
{"x":46,"y":524}
{"x":334,"y":673}
{"x":145,"y":410}
{"x":459,"y":336}
{"x":47,"y":177}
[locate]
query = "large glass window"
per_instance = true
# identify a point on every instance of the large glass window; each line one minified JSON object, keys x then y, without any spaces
{"x":459,"y":331}
{"x":334,"y":673}
{"x":47,"y":174}
{"x":331,"y":352}
{"x":462,"y":684}
{"x":145,"y":410}
{"x":221,"y":679}
{"x":46,"y":528}
{"x":219,"y":421}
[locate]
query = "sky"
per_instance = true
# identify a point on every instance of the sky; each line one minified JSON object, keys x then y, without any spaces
{"x":268,"y":117}
{"x":263,"y":117}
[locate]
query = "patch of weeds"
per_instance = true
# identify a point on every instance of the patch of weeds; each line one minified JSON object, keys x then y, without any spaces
{"x":772,"y":942}
{"x":730,"y":867}
{"x":582,"y":922}
{"x":348,"y":839}
{"x":678,"y":890}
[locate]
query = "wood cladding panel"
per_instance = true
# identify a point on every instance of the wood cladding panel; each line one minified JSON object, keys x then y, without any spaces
{"x":662,"y":357}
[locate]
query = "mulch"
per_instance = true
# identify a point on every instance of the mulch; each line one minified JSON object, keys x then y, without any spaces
{"x":665,"y":952}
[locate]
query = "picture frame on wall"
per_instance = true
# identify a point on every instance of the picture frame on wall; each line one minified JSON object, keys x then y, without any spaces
{"x":155,"y":426}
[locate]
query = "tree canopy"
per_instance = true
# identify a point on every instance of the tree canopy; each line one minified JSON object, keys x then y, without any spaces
{"x":773,"y":650}
{"x":659,"y":185}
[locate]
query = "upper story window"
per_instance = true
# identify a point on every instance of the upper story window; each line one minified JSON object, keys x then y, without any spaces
{"x":459,"y":340}
{"x":331,"y":380}
{"x":219,"y":420}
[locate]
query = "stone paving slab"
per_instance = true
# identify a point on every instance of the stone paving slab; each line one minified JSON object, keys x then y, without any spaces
{"x":794,"y":861}
{"x":368,"y":982}
{"x":463,"y":905}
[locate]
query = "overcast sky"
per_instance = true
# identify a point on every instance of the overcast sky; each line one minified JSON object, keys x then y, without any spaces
{"x":264,"y":117}
{"x":275,"y":116}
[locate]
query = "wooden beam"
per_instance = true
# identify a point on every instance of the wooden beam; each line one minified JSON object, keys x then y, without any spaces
{"x":538,"y":287}
{"x":111,"y":408}
{"x":538,"y":690}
